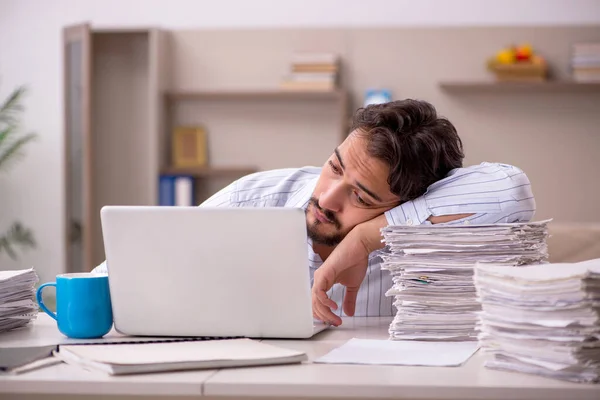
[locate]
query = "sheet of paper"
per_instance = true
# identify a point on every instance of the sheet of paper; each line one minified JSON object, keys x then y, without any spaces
{"x":389,"y":352}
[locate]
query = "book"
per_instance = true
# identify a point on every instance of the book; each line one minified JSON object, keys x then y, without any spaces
{"x":124,"y":359}
{"x":184,"y":191}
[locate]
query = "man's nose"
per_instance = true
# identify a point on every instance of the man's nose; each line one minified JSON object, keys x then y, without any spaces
{"x":332,"y":198}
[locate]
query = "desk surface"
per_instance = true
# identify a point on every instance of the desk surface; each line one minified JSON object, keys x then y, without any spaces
{"x":471,"y":381}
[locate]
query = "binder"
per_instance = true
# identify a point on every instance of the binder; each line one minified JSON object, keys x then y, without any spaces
{"x":176,"y":190}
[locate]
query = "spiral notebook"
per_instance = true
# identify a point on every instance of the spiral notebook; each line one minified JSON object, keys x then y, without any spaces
{"x":135,"y":358}
{"x":35,"y":354}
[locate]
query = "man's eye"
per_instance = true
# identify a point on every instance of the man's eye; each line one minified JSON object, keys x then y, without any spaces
{"x":360,"y":200}
{"x":334,"y":168}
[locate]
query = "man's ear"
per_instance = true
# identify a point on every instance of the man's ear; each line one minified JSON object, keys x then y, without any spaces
{"x":440,"y":219}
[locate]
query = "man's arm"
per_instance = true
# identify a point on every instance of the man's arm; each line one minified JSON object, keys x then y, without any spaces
{"x":348,"y":264}
{"x":487,"y":193}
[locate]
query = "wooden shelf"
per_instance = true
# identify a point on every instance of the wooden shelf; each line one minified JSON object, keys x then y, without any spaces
{"x":255,"y":95}
{"x":212,"y":172}
{"x":533,"y":87}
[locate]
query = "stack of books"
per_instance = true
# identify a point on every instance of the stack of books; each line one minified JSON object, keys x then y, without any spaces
{"x":542,"y":319}
{"x":312,"y":71}
{"x":585,"y":62}
{"x":17,"y":298}
{"x":432,"y":269}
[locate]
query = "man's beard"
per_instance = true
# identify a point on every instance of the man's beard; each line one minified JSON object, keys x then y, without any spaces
{"x":318,"y":238}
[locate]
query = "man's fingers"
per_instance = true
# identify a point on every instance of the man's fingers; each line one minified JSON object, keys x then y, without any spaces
{"x":322,"y":304}
{"x":324,"y":314}
{"x":350,"y":301}
{"x":326,"y":301}
{"x":318,"y":316}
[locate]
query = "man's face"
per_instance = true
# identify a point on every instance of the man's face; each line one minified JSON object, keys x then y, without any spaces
{"x":352,"y":189}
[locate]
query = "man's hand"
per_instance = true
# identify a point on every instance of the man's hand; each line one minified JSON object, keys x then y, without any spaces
{"x":347,"y":265}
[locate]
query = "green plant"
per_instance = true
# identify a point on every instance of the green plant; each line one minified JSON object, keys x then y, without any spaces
{"x":12,"y":143}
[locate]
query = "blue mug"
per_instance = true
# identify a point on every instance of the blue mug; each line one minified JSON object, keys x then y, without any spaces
{"x":83,"y":306}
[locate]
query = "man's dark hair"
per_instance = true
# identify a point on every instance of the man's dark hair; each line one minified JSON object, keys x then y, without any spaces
{"x":420,"y":147}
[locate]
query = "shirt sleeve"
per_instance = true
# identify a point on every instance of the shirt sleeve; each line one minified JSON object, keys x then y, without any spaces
{"x":492,"y":192}
{"x":222,"y":198}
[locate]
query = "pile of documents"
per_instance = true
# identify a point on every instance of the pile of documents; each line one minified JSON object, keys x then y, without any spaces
{"x":432,"y":270}
{"x":542,"y":319}
{"x":17,"y":298}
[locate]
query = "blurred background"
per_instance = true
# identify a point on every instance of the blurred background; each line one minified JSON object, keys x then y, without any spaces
{"x":165,"y":102}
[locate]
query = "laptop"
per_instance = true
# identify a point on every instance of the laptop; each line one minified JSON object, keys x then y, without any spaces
{"x":209,"y":272}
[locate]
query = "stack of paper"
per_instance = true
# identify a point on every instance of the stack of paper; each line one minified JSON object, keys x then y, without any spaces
{"x":17,"y":298}
{"x":432,"y":270}
{"x":542,"y":319}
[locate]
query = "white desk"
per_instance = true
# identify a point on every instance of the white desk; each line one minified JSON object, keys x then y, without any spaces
{"x":308,"y":380}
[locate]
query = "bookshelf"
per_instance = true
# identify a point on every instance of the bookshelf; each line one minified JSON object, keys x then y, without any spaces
{"x":339,"y":99}
{"x":336,"y":95}
{"x":263,"y":109}
{"x":111,"y":131}
{"x":231,"y":118}
{"x":210,"y":172}
{"x":562,"y":86}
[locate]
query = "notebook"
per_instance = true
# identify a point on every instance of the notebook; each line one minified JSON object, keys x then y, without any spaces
{"x":121,"y":359}
{"x":15,"y":360}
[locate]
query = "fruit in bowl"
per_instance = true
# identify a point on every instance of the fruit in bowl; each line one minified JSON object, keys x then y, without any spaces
{"x":506,"y":56}
{"x":524,"y":52}
{"x":518,"y":63}
{"x":513,"y":54}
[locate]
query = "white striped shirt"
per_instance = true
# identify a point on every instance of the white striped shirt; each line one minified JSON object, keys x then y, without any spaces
{"x":493,"y":193}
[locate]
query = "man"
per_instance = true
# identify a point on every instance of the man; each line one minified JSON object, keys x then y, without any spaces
{"x":401,"y":164}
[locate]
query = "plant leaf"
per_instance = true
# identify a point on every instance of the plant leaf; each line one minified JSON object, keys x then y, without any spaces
{"x":22,"y":235}
{"x":12,"y":106}
{"x":17,"y":236}
{"x":5,"y":134}
{"x":13,"y":149}
{"x":5,"y":245}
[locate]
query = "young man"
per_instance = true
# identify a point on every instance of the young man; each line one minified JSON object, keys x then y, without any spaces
{"x":401,"y":164}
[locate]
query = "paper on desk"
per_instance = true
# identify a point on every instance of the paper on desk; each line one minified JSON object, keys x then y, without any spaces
{"x":389,"y":352}
{"x":541,"y":319}
{"x":432,"y":271}
{"x":17,"y":294}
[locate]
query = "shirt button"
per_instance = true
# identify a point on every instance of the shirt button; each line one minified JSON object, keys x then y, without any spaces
{"x":409,"y":222}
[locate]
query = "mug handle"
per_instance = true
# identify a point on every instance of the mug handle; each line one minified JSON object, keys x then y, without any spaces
{"x":38,"y":296}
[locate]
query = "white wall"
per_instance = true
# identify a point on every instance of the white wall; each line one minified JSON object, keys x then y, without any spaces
{"x":30,"y":53}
